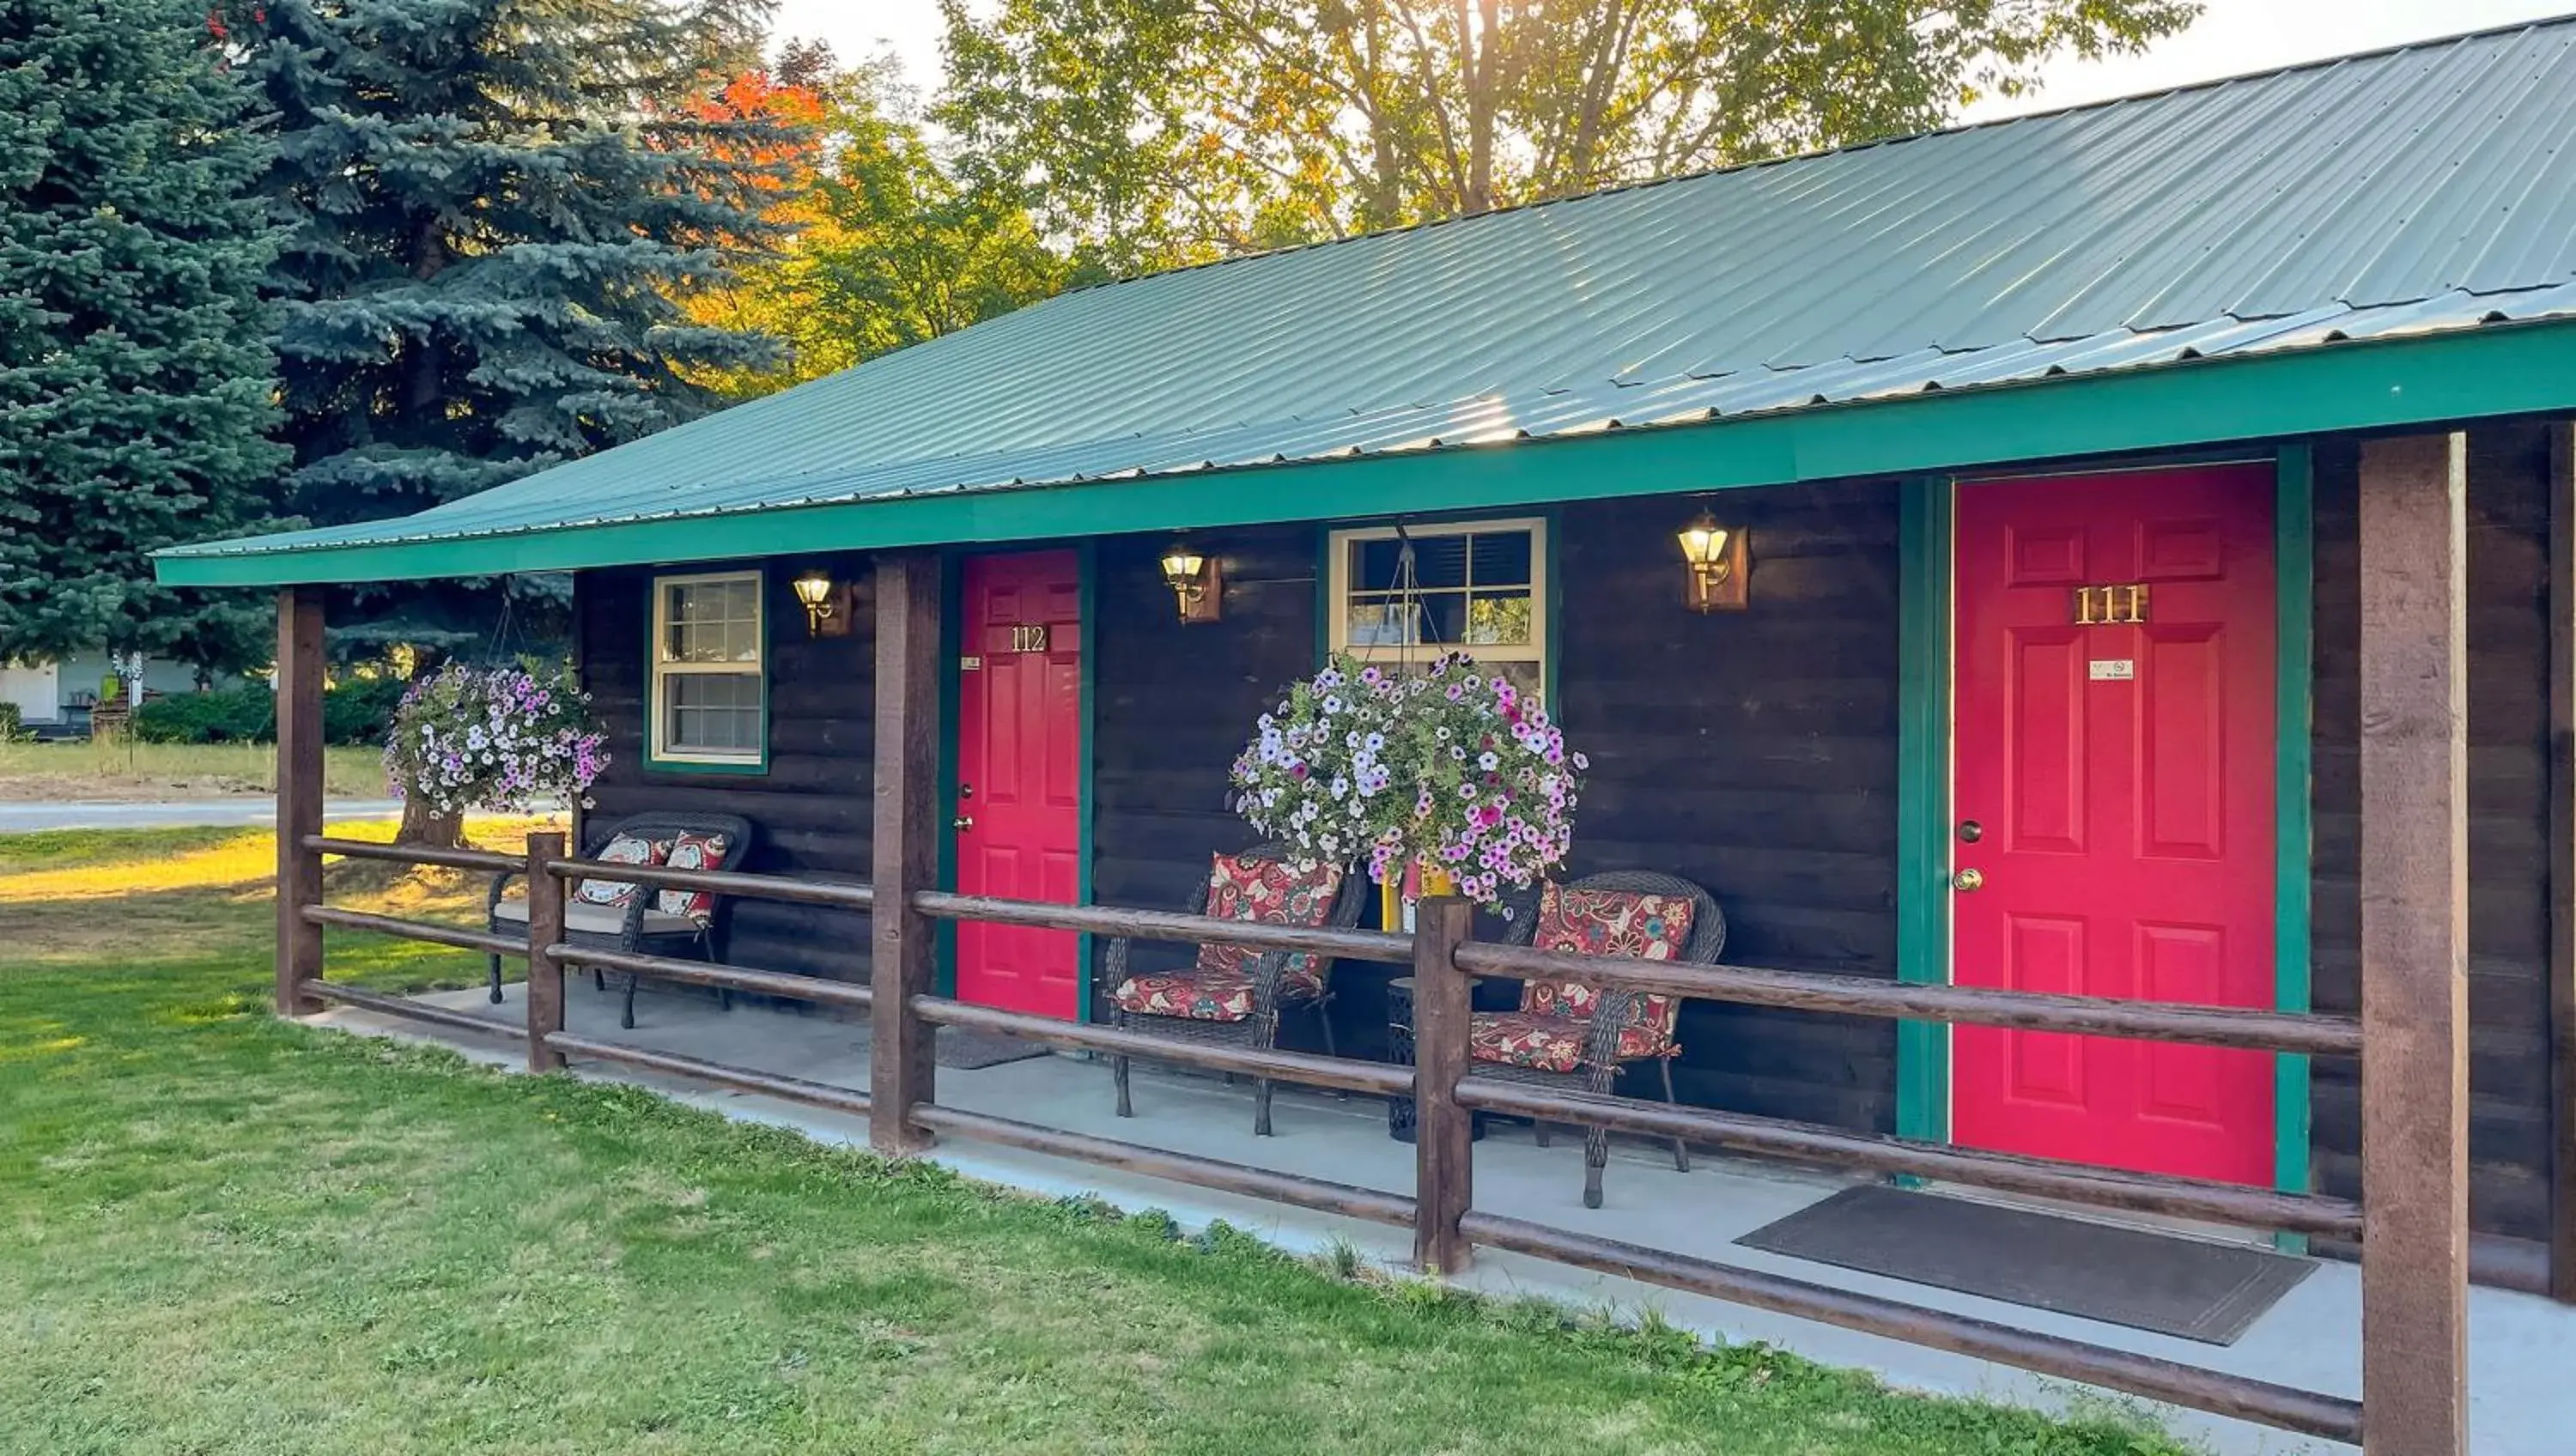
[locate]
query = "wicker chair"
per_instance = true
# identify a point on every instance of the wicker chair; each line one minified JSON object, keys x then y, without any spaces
{"x":638,"y":927}
{"x":1601,"y":1064}
{"x":1260,"y":1029}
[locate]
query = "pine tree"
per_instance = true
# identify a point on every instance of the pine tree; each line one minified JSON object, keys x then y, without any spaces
{"x":493,"y":204}
{"x":135,"y":386}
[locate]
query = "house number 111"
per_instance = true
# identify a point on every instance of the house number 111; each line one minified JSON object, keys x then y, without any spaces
{"x":2103,"y":606}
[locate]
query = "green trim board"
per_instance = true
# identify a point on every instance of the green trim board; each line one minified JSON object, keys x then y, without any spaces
{"x":1923,"y":798}
{"x":943,"y":974}
{"x":2294,"y":557}
{"x":653,"y":763}
{"x":1087,"y":602}
{"x":2500,"y":369}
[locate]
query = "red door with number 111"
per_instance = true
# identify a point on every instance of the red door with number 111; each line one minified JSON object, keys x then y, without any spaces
{"x":2114,"y":813}
{"x":1018,"y":817}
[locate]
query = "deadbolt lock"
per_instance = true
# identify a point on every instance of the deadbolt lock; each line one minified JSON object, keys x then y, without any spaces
{"x":1970,"y":831}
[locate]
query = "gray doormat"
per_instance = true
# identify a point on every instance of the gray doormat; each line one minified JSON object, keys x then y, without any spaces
{"x":2123,"y":1276}
{"x":969,"y":1051}
{"x":966,"y":1051}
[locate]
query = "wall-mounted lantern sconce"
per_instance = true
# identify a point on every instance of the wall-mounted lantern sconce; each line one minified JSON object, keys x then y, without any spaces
{"x":1718,"y":565}
{"x":1195,"y":581}
{"x":827,"y":604}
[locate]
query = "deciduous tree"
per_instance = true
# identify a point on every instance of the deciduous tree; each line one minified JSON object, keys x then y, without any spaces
{"x":1158,"y":130}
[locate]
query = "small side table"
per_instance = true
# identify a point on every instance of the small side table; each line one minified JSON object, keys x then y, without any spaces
{"x":1399,"y":1045}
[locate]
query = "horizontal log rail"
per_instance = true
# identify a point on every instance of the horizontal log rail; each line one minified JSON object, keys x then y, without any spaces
{"x":455,"y":935}
{"x":1348,"y":945}
{"x":716,"y":882}
{"x":2306,"y":1412}
{"x":2220,"y":1026}
{"x":817,"y":989}
{"x":2232,"y":1203}
{"x":1376,"y":1078}
{"x":406,"y":1007}
{"x":741,"y":1079}
{"x":1296,"y":1190}
{"x":414,"y":854}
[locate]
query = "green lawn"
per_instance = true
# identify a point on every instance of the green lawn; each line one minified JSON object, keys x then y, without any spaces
{"x":220,"y":1233}
{"x":85,"y":770}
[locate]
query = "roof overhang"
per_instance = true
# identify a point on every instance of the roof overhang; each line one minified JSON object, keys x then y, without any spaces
{"x":2381,"y":384}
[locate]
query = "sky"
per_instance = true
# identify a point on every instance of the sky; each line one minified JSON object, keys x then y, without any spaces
{"x":2232,"y":36}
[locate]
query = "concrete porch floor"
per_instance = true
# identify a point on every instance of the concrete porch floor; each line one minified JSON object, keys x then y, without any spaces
{"x":2522,"y":1347}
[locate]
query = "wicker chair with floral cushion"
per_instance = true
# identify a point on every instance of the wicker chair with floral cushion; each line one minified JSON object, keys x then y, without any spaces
{"x":1570,"y":1033}
{"x":620,"y":915}
{"x":1231,"y":994}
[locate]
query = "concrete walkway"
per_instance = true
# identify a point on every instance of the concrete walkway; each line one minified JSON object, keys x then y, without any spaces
{"x":2524,"y":1348}
{"x":248,"y":811}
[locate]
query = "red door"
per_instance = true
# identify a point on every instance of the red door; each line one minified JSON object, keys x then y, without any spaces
{"x":1019,"y":774}
{"x":2113,"y":749}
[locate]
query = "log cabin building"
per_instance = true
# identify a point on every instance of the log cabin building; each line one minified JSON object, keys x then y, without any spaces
{"x":2049,"y":453}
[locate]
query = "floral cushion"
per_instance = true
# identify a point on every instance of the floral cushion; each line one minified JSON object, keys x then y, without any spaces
{"x":1555,"y":1043}
{"x":1610,"y":923}
{"x":624,"y":849}
{"x":692,"y":851}
{"x":1200,"y":995}
{"x":1241,"y":887}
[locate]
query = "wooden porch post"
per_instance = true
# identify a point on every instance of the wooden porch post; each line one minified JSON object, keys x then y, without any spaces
{"x":906,"y":847}
{"x":1443,"y":1132}
{"x":2562,"y":861}
{"x":2414,"y":946}
{"x":545,"y":929}
{"x":299,"y":794}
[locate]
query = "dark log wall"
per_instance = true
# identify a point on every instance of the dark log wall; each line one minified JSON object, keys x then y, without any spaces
{"x":1753,"y":752}
{"x":813,"y":805}
{"x":2508,"y":803}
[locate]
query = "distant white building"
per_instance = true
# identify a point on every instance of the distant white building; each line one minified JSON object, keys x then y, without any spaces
{"x":58,"y":695}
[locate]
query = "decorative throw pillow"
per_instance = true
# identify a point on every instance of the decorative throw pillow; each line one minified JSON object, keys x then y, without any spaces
{"x":1606,"y":923}
{"x":624,"y":849}
{"x":1244,"y":888}
{"x":692,"y":851}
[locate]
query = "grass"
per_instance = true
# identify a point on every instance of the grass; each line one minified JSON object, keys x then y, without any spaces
{"x":84,"y":770}
{"x":220,"y":1233}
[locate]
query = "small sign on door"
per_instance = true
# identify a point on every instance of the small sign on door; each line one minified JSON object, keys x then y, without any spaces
{"x":2114,"y":669}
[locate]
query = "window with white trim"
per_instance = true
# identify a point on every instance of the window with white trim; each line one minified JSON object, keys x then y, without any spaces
{"x":1401,"y":596}
{"x":710,"y":691}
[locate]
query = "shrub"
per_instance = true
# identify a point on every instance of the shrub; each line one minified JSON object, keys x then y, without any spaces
{"x":12,"y":726}
{"x":357,"y":711}
{"x":233,"y":715}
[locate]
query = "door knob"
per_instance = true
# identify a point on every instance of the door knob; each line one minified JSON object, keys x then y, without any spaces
{"x":962,"y":821}
{"x":1969,"y":881}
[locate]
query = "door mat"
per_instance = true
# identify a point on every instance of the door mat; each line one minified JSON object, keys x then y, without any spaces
{"x":2130,"y":1276}
{"x":969,"y":1051}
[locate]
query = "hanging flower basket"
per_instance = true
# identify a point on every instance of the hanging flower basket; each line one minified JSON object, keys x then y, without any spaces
{"x":506,"y":740}
{"x":1453,"y":769}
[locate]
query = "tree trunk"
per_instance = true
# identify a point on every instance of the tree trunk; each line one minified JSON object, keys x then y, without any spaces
{"x":427,"y":827}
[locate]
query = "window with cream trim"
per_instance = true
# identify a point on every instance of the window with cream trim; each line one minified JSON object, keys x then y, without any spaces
{"x":1478,"y":587}
{"x":710,"y":684}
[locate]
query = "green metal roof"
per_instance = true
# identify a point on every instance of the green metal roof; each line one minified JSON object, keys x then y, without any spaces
{"x":2408,"y":195}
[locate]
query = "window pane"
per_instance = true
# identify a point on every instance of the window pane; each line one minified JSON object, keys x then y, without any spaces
{"x":709,"y":712}
{"x":1500,"y":558}
{"x":1501,"y":619}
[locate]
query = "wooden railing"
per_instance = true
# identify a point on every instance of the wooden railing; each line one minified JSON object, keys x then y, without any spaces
{"x":1441,"y":1211}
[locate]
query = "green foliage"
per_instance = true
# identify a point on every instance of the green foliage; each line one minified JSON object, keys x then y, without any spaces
{"x":889,"y":248}
{"x":356,"y":712}
{"x":13,"y":726}
{"x":135,"y":387}
{"x":493,"y":205}
{"x":1162,"y":131}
